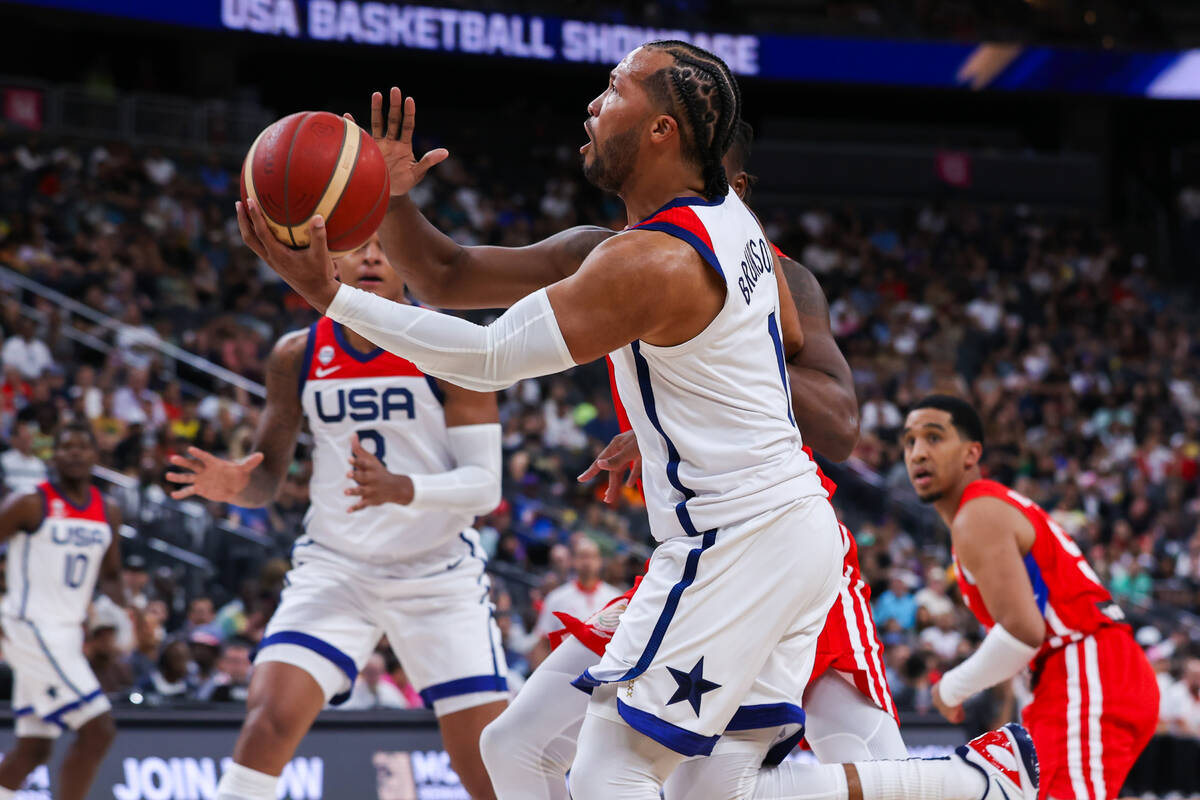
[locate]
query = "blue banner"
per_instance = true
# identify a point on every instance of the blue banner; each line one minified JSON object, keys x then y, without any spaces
{"x":812,"y":59}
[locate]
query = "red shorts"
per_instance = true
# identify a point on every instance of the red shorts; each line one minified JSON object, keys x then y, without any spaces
{"x":1094,"y":709}
{"x":849,"y":643}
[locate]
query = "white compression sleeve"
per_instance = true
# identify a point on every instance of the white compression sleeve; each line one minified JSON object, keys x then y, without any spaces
{"x":473,"y":486}
{"x":524,"y":342}
{"x":1000,"y":657}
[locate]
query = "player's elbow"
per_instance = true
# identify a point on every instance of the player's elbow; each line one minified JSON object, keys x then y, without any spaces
{"x":842,"y":435}
{"x":1028,"y":628}
{"x":490,"y":497}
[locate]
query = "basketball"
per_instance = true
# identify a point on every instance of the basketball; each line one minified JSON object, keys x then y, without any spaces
{"x":314,"y":163}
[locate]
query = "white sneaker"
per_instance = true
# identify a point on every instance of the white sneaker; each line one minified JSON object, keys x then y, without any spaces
{"x":1008,"y":760}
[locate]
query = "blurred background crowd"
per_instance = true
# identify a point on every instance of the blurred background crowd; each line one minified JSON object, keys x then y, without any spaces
{"x":1082,"y":360}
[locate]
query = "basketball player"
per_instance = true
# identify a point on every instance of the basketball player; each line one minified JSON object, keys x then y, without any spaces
{"x":1095,"y":697}
{"x":687,"y":302}
{"x":62,"y":542}
{"x":848,"y":705}
{"x":387,"y":549}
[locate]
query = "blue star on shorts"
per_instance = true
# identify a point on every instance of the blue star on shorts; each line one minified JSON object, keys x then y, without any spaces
{"x":691,"y":685}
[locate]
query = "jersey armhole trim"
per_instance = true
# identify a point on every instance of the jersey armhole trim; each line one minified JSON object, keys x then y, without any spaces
{"x":306,"y":364}
{"x":683,"y":234}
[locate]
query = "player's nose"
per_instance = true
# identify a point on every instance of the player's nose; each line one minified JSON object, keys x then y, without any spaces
{"x":593,"y":108}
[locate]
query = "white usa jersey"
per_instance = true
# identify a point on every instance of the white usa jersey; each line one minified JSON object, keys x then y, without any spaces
{"x":52,"y":571}
{"x":396,"y":412}
{"x":713,"y":415}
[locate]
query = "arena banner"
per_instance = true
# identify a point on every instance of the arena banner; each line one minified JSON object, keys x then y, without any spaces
{"x":813,"y":59}
{"x":387,"y":755}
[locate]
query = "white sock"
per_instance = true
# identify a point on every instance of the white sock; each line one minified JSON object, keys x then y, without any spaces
{"x":792,"y":780}
{"x":913,"y":779}
{"x":920,"y":779}
{"x":243,"y":783}
{"x":7,"y":794}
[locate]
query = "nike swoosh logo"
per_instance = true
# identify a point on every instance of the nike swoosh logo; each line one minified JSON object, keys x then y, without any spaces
{"x":322,"y":372}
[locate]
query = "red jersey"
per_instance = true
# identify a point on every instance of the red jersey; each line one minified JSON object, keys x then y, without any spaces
{"x":1069,"y":594}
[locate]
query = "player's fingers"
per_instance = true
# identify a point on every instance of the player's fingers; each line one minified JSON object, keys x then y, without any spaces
{"x":246,"y":228}
{"x":318,"y":241}
{"x":258,"y":221}
{"x":432,"y":159}
{"x":353,"y":490}
{"x":349,"y":116}
{"x":635,"y":474}
{"x":614,"y":487}
{"x":252,"y":461}
{"x":181,"y":477}
{"x":183,"y":461}
{"x":356,"y":446}
{"x":376,"y":115}
{"x":184,"y":493}
{"x":396,"y":109}
{"x":203,"y":456}
{"x":356,"y":507}
{"x":592,"y":471}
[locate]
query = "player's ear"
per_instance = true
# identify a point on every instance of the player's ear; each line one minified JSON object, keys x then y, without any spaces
{"x":663,"y":127}
{"x":973,"y":454}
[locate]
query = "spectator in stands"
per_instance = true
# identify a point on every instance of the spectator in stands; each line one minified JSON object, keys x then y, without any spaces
{"x":371,"y":690}
{"x":581,"y":597}
{"x":22,"y":470}
{"x":896,"y":609}
{"x":173,"y":675}
{"x":200,"y":612}
{"x":103,"y":650}
{"x":230,"y":683}
{"x":932,"y":597}
{"x":25,"y":352}
{"x":206,"y":649}
{"x":1182,"y":706}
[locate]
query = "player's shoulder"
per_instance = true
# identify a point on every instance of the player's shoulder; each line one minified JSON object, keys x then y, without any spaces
{"x":986,"y":512}
{"x":288,"y":353}
{"x":646,"y":253}
{"x":28,"y":507}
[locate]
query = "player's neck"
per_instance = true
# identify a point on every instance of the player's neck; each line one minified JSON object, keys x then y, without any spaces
{"x":649,"y":191}
{"x":588,"y":585}
{"x":78,"y":492}
{"x":947,"y":505}
{"x":359,"y":342}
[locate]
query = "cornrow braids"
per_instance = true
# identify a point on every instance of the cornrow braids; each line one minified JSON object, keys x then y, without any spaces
{"x":705,"y":87}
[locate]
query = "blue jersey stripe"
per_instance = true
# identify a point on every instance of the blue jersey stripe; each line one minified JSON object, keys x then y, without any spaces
{"x":684,"y":234}
{"x":53,"y":662}
{"x":773,"y":329}
{"x":1041,"y":592}
{"x":643,"y":374}
{"x":587,"y":681}
{"x":685,"y":201}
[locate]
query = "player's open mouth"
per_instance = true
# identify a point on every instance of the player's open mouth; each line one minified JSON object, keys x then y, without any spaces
{"x":922,"y":478}
{"x":588,"y":143}
{"x":369,"y":282}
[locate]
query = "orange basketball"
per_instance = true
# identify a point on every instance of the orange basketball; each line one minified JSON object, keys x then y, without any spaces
{"x":313,"y":163}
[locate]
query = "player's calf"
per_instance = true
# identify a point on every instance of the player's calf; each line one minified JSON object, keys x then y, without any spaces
{"x":82,"y":761}
{"x":27,"y":754}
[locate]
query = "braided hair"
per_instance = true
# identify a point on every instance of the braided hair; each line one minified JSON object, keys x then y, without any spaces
{"x":704,"y":87}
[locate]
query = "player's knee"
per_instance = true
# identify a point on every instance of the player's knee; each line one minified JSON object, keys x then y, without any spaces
{"x":492,"y":742}
{"x":33,"y":752}
{"x":269,"y":722}
{"x":98,"y":734}
{"x":591,"y":777}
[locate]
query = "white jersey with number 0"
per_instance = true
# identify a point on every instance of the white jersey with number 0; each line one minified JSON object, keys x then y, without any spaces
{"x":396,"y":412}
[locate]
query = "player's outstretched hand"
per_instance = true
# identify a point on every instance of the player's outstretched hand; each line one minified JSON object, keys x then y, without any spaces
{"x":210,"y":477}
{"x":374,"y":485}
{"x":621,"y":452}
{"x":310,"y":270}
{"x":953,"y":714}
{"x":395,"y":141}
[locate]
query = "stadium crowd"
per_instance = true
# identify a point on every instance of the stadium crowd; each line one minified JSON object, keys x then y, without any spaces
{"x":1083,"y":363}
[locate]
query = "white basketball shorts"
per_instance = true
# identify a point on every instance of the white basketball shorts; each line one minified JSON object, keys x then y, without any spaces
{"x":722,"y":633}
{"x":54,"y":688}
{"x":437,"y":614}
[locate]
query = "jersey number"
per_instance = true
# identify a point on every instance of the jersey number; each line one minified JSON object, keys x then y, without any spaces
{"x":380,"y":450}
{"x":75,"y":569}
